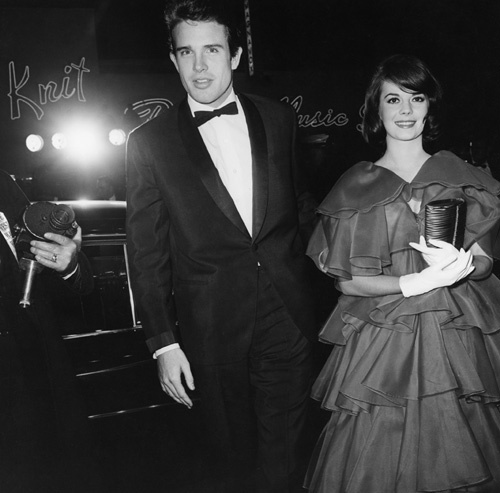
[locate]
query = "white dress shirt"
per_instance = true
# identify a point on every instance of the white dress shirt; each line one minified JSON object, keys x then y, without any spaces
{"x":227,"y":140}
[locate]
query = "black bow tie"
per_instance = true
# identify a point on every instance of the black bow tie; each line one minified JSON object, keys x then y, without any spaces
{"x":202,"y":117}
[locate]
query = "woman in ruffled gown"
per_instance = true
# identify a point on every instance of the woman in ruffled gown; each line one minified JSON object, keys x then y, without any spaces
{"x":414,"y":375}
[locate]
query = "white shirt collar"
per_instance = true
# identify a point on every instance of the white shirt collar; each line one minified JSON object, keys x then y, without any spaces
{"x":195,"y":106}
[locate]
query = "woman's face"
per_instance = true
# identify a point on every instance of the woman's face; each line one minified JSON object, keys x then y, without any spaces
{"x":402,"y":113}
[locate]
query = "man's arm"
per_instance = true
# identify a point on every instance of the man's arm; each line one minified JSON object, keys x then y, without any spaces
{"x":148,"y":246}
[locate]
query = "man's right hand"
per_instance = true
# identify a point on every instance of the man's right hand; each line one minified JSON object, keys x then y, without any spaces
{"x":171,"y":366}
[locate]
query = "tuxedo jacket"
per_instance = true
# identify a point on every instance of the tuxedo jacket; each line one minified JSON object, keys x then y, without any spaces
{"x":194,"y":265}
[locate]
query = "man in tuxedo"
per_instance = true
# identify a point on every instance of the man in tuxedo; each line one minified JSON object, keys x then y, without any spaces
{"x":217,"y":259}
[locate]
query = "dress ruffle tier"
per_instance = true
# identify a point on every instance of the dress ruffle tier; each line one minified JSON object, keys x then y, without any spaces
{"x":413,"y":383}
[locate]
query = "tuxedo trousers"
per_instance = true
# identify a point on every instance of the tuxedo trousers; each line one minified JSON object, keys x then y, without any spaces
{"x":256,"y":409}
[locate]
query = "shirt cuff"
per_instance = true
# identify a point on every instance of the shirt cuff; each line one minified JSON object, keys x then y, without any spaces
{"x":67,"y":276}
{"x":162,"y":350}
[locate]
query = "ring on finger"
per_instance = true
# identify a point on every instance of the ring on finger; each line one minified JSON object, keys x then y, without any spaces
{"x":54,"y":257}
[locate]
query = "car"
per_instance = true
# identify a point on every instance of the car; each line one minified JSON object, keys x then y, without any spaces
{"x":101,"y":331}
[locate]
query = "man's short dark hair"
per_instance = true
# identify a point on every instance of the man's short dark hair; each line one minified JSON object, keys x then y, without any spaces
{"x":410,"y":74}
{"x":177,"y":11}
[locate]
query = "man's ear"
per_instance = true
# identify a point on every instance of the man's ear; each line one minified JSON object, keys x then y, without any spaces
{"x":235,"y":61}
{"x":174,"y":60}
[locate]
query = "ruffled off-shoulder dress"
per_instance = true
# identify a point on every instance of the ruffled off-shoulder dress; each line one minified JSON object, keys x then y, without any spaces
{"x":413,"y":383}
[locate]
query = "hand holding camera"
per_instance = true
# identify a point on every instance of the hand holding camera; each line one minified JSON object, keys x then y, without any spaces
{"x":59,"y":252}
{"x":48,"y":237}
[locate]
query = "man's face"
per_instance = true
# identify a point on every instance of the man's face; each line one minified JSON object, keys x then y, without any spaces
{"x":202,"y":58}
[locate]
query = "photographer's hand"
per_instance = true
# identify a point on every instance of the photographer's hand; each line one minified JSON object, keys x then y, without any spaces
{"x":59,"y":253}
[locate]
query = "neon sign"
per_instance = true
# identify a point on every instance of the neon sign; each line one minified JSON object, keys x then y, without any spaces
{"x":51,"y":92}
{"x":318,"y":119}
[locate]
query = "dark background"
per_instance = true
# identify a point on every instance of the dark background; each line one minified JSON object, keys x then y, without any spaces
{"x":317,"y":53}
{"x":322,"y":51}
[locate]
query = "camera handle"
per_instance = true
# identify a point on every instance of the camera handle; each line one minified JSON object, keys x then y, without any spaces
{"x":32,"y":267}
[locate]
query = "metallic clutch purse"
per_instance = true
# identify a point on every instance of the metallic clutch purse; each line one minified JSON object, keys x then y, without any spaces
{"x":445,"y":221}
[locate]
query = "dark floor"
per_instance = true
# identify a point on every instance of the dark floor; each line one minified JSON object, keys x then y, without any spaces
{"x":152,"y":451}
{"x":160,"y":450}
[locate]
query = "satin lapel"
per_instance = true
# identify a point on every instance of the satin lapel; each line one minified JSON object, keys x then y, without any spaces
{"x":260,"y":163}
{"x":209,"y":175}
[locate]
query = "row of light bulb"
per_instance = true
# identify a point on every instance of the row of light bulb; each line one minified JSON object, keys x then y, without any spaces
{"x":60,"y":140}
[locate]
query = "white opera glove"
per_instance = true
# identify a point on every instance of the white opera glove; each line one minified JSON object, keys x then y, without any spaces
{"x":432,"y":255}
{"x":444,"y":273}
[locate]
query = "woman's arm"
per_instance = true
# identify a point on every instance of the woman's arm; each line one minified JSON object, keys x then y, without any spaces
{"x":370,"y":286}
{"x":446,"y":272}
{"x":482,"y":262}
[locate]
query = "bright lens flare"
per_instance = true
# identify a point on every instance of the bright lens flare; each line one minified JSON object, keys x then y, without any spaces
{"x":34,"y":143}
{"x":84,"y":141}
{"x":81,"y":142}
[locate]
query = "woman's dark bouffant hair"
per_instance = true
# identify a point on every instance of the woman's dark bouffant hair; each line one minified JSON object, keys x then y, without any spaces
{"x":412,"y":75}
{"x":177,"y":11}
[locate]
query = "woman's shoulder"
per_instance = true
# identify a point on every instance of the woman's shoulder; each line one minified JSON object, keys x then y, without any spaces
{"x":446,"y":158}
{"x":362,"y":187}
{"x":447,"y":168}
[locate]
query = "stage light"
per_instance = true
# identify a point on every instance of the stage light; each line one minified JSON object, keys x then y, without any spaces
{"x":34,"y":143}
{"x":59,"y":141}
{"x":117,"y":137}
{"x":85,"y":141}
